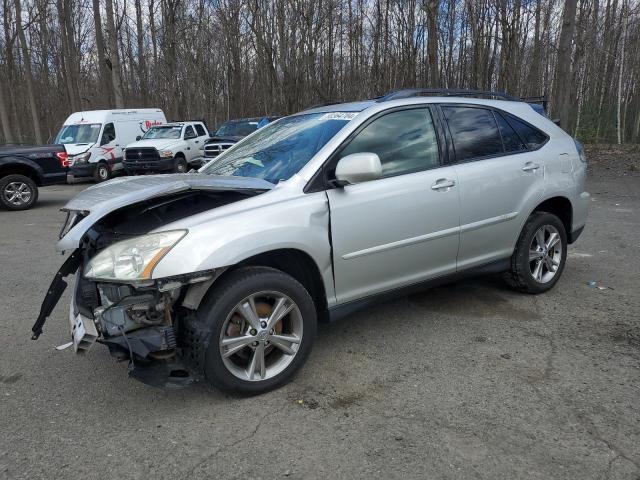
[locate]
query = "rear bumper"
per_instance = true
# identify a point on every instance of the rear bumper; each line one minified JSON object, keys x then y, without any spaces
{"x":580,"y":210}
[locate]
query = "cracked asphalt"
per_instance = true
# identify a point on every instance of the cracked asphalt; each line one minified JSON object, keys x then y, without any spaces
{"x":469,"y":380}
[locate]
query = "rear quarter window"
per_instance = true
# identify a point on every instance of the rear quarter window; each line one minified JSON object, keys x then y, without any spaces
{"x":531,"y":136}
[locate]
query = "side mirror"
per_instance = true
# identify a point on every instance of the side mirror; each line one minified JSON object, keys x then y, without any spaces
{"x":358,"y":168}
{"x":138,"y":137}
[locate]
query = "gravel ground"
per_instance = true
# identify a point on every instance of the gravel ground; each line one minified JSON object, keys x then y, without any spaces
{"x":470,"y":380}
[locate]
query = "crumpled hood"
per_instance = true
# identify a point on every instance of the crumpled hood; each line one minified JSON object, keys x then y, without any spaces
{"x":157,"y":143}
{"x":77,"y":148}
{"x":103,"y":198}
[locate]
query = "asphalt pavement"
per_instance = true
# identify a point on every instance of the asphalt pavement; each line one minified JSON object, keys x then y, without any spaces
{"x":470,"y":380}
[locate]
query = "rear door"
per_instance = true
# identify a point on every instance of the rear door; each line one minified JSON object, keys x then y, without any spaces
{"x":500,"y":178}
{"x":402,"y":228}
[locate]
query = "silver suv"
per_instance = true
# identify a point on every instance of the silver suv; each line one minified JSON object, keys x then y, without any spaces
{"x":222,"y":274}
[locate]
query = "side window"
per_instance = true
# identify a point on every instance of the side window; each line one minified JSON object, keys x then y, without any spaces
{"x":474,"y":132}
{"x":405,"y":141}
{"x":108,"y":134}
{"x":189,"y":133}
{"x":200,"y":130}
{"x":510,"y":138}
{"x":532,"y":137}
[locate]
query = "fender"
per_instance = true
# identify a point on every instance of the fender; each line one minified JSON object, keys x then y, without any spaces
{"x":12,"y":161}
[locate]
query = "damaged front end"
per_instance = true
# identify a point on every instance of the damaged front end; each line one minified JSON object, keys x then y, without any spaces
{"x":117,"y":302}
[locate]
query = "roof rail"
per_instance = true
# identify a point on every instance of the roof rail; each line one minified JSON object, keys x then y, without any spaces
{"x":444,"y":92}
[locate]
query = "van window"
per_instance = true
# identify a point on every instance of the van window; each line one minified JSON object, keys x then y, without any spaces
{"x":78,"y":134}
{"x":108,"y":134}
{"x":474,"y":132}
{"x":200,"y":130}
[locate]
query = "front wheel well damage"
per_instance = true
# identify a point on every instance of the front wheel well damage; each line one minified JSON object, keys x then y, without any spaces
{"x":299,"y":265}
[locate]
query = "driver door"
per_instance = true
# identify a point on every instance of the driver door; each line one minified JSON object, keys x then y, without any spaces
{"x":110,"y":148}
{"x":190,"y":140}
{"x":404,"y":227}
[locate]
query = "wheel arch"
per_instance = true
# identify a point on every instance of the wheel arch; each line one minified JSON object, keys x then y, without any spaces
{"x":297,"y":263}
{"x":292,"y":261}
{"x":561,"y":207}
{"x":21,"y":168}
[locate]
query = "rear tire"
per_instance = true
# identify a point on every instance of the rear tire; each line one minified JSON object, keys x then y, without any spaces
{"x":18,"y":192}
{"x":222,"y":318}
{"x":102,"y":172}
{"x":540,"y":254}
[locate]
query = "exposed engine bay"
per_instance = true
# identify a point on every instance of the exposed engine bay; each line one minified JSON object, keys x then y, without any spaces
{"x":143,"y":322}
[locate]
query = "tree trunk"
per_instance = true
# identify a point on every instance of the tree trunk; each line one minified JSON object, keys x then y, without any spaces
{"x":114,"y":56}
{"x":35,"y":117}
{"x":142,"y":67}
{"x":103,"y":70}
{"x":433,"y":7}
{"x":562,"y":90}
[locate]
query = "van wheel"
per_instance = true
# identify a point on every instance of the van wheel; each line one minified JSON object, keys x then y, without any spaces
{"x":102,"y":172}
{"x":18,"y":192}
{"x":260,"y":324}
{"x":540,"y":254}
{"x":181,"y":165}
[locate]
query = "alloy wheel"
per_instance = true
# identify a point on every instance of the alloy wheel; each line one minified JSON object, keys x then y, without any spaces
{"x":17,"y":193}
{"x":545,"y":254}
{"x":261,"y":336}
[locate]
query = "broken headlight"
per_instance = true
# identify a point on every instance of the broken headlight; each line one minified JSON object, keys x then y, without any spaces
{"x":132,"y":259}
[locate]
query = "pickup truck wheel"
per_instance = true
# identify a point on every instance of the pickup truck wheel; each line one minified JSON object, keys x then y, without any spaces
{"x":261,"y":324}
{"x":540,"y":254}
{"x":102,"y":172}
{"x":181,"y":165}
{"x":18,"y":192}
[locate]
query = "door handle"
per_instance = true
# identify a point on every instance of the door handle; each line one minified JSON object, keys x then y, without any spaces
{"x":443,"y":183}
{"x":197,"y":141}
{"x":530,"y":167}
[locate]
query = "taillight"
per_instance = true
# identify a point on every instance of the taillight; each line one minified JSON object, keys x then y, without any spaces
{"x":64,"y":159}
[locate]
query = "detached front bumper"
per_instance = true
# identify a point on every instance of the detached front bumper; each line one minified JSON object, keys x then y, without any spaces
{"x":138,"y":325}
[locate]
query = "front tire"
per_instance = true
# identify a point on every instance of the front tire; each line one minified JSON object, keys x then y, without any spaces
{"x":102,"y":172}
{"x":260,"y":326}
{"x":540,"y":254}
{"x":181,"y":165}
{"x":18,"y":192}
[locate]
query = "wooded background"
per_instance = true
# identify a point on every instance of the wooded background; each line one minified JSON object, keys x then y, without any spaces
{"x":220,"y":59}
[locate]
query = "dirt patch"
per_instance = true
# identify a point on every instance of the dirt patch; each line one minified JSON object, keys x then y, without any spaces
{"x":613,"y":160}
{"x":346,"y":401}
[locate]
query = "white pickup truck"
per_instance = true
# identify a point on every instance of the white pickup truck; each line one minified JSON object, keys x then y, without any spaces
{"x":166,"y":148}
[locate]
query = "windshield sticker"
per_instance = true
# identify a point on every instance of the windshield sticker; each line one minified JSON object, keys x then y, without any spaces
{"x":339,"y":115}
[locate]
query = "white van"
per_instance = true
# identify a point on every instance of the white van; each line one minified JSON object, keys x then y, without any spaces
{"x":95,"y":139}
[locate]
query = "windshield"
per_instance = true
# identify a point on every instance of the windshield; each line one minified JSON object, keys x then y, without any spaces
{"x":280,"y":149}
{"x":84,"y":133}
{"x":237,"y":129}
{"x":163,"y":132}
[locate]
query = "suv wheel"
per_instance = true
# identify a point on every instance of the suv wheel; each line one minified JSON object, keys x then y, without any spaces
{"x":102,"y":172}
{"x":540,"y":254}
{"x":261,"y":324}
{"x":181,"y":165}
{"x":18,"y":192}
